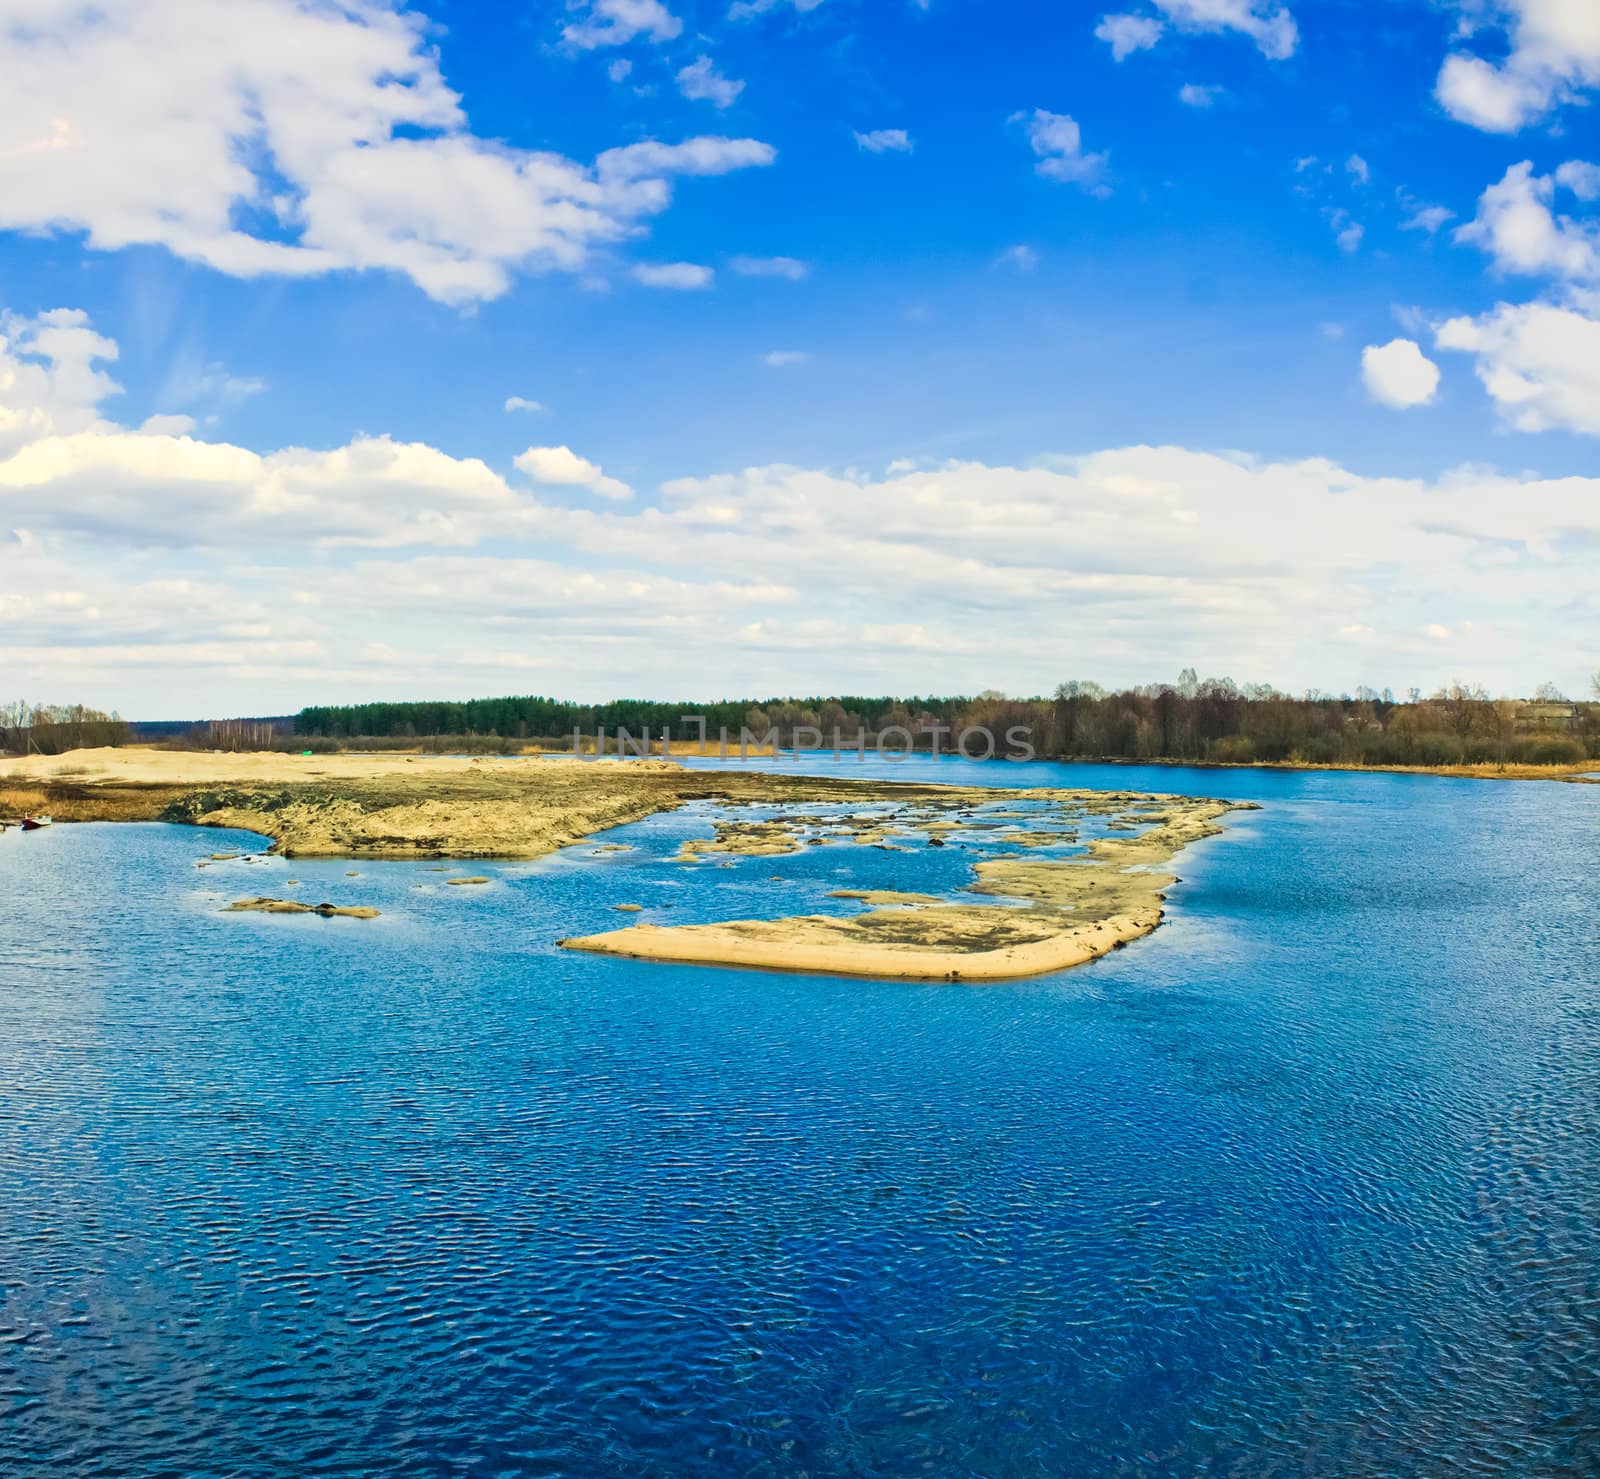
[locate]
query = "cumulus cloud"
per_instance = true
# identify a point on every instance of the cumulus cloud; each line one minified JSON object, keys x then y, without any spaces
{"x":522,"y":403}
{"x":617,"y":22}
{"x":700,"y":81}
{"x":1057,"y":143}
{"x":1195,"y":95}
{"x":1580,"y":177}
{"x":50,"y":378}
{"x":1126,"y":34}
{"x":683,"y":277}
{"x":1268,"y":24}
{"x":885,"y":141}
{"x":160,"y":489}
{"x":1398,"y":374}
{"x":1517,"y":225}
{"x":1539,"y":362}
{"x":167,"y":423}
{"x":1553,"y":55}
{"x":272,"y":578}
{"x":271,"y":137}
{"x":792,"y":269}
{"x":562,"y":467}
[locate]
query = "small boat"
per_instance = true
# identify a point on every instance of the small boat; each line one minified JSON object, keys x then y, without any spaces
{"x":32,"y":824}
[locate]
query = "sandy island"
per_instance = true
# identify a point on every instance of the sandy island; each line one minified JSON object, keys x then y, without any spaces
{"x":1028,"y":915}
{"x":1023,"y":914}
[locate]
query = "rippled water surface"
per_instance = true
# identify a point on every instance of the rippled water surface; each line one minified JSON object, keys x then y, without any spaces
{"x":1308,"y":1182}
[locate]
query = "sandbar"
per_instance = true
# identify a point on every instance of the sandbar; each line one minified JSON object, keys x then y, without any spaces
{"x":1020,"y":915}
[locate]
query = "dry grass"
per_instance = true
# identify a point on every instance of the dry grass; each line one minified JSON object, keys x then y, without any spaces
{"x":75,"y":803}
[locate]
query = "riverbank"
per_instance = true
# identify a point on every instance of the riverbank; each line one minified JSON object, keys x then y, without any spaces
{"x":1583,"y":772}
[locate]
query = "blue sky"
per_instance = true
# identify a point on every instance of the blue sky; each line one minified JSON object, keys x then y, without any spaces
{"x":1256,"y":337}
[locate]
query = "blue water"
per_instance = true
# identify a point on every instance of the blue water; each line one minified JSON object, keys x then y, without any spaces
{"x":1306,"y":1183}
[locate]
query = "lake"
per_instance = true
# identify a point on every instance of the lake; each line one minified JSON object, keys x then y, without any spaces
{"x":1307,"y":1182}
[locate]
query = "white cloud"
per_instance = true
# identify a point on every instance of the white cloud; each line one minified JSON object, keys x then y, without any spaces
{"x":885,"y":141}
{"x":1126,"y":34}
{"x":160,"y":489}
{"x":1358,"y":169}
{"x":779,"y":358}
{"x":790,"y":268}
{"x":1580,"y":177}
{"x":644,"y":167}
{"x":1517,"y":225}
{"x":1265,"y":22}
{"x":620,"y":70}
{"x":1398,"y":374}
{"x":267,"y":579}
{"x":1020,"y":258}
{"x":166,"y":424}
{"x":616,"y":22}
{"x":1410,"y":318}
{"x":681,"y":276}
{"x":272,"y":137}
{"x":1057,"y":142}
{"x":1553,"y":55}
{"x":1540,"y":364}
{"x":1427,"y":218}
{"x":1347,"y":233}
{"x":522,"y":403}
{"x":562,"y":467}
{"x":744,"y":9}
{"x":1269,"y":25}
{"x":49,"y":380}
{"x":190,"y":382}
{"x":700,"y":81}
{"x":1195,"y":95}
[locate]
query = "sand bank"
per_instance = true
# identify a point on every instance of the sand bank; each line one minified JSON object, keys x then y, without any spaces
{"x":1062,"y":913}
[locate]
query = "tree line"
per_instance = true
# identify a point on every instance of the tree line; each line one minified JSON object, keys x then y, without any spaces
{"x":52,"y":729}
{"x":1210,"y":720}
{"x":535,"y":718}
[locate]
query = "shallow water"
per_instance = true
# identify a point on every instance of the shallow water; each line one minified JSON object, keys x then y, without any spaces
{"x":1308,"y":1182}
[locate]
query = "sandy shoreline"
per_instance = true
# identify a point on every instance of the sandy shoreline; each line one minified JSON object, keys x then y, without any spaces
{"x":1023,"y":914}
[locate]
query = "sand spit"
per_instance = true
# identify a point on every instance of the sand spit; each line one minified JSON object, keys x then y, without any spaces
{"x":1066,"y":911}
